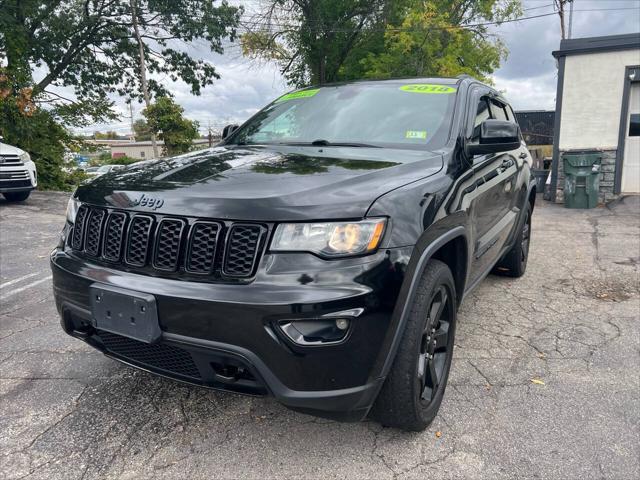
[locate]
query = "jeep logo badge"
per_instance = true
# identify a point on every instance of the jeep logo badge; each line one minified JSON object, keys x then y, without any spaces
{"x":144,"y":201}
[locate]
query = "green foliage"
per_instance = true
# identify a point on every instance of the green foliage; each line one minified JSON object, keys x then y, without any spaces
{"x":90,"y":46}
{"x":165,"y":119}
{"x":319,"y":41}
{"x":45,"y":140}
{"x":322,"y":35}
{"x":141,"y":130}
{"x":108,"y":135}
{"x":105,"y":159}
{"x":442,"y":38}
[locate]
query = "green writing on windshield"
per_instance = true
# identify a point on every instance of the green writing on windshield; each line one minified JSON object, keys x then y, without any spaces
{"x":300,"y":94}
{"x":427,"y":88}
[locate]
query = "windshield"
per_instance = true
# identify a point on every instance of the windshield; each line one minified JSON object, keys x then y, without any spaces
{"x":382,"y":114}
{"x":104,"y":169}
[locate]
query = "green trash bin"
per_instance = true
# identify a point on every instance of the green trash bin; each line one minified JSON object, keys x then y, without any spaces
{"x":581,"y":179}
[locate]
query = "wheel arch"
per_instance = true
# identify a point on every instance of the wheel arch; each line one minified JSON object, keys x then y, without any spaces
{"x":433,"y":244}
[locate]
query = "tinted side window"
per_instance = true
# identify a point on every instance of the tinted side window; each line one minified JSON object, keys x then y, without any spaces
{"x":497,"y":111}
{"x":482,"y":114}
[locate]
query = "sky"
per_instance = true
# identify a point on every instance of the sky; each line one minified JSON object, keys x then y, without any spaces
{"x":527,"y":77}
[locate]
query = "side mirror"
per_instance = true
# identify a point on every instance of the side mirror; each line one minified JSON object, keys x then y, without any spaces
{"x":228,"y":130}
{"x":496,"y":136}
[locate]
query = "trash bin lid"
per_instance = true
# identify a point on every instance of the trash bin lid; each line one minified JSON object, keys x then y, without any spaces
{"x":582,"y":159}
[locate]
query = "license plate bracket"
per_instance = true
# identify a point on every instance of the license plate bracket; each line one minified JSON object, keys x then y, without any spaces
{"x":125,"y":312}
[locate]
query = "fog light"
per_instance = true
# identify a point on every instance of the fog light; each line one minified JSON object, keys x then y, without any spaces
{"x":342,"y":323}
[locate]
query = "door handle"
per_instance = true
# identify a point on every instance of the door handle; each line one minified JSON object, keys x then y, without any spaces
{"x":523,"y":155}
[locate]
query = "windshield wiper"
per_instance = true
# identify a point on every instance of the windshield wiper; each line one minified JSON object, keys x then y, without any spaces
{"x":327,"y":143}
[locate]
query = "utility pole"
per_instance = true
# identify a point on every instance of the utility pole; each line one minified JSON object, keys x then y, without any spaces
{"x":143,"y":69}
{"x":570,"y":16}
{"x":559,"y":4}
{"x":133,"y":132}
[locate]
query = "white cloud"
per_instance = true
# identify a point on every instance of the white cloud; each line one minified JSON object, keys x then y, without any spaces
{"x":537,"y":93}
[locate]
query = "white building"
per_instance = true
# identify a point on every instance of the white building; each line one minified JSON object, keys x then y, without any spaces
{"x":598,"y":110}
{"x":144,"y":150}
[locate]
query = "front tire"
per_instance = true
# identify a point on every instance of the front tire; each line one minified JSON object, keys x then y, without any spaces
{"x":16,"y":196}
{"x":412,"y":393}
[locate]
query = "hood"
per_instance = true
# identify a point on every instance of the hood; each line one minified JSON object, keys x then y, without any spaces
{"x":9,"y":150}
{"x":263,"y":184}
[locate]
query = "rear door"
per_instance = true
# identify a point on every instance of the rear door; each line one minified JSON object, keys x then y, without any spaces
{"x":492,"y":214}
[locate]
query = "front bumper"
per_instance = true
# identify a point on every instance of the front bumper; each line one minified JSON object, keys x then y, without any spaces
{"x":226,"y":336}
{"x":18,"y":179}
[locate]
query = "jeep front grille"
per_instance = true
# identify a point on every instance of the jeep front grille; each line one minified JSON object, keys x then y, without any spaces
{"x":166,"y":245}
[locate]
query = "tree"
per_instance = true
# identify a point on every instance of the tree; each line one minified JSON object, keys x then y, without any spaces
{"x":318,"y":41}
{"x":442,"y":38}
{"x":165,"y":119}
{"x":91,"y":46}
{"x":46,"y":141}
{"x":311,"y":39}
{"x":141,"y":130}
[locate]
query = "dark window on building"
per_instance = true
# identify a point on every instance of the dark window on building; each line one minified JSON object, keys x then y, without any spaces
{"x":142,"y":154}
{"x":634,"y":125}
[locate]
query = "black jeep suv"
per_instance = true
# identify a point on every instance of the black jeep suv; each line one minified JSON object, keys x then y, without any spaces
{"x":318,"y":254}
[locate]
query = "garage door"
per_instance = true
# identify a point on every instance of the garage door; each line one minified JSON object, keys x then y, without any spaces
{"x":631,"y":165}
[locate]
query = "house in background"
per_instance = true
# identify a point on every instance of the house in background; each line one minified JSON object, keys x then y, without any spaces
{"x":598,"y":110}
{"x":144,"y":150}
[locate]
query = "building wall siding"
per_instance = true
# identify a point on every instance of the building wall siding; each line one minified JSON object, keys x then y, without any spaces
{"x":591,"y":106}
{"x":592,"y":99}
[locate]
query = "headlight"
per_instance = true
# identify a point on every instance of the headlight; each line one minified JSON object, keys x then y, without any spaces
{"x":24,"y":157}
{"x":331,"y":239}
{"x":72,"y":209}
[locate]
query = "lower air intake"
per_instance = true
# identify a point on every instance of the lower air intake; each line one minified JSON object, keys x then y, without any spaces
{"x":167,"y":358}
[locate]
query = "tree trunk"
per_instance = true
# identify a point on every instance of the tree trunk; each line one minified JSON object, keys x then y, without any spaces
{"x":143,"y":70}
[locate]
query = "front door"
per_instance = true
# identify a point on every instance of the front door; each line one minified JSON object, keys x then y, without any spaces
{"x":631,"y":161}
{"x":492,"y":210}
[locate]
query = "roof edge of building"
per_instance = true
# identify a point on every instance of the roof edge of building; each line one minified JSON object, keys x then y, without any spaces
{"x":609,"y":43}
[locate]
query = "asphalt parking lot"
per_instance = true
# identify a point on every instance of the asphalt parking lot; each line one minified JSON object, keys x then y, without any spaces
{"x":545,"y":380}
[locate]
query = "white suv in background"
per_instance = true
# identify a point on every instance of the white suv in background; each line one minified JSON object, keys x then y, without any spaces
{"x":18,"y":174}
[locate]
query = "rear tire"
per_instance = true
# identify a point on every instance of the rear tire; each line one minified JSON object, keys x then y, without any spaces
{"x":16,"y":196}
{"x":412,"y":393}
{"x":514,"y":263}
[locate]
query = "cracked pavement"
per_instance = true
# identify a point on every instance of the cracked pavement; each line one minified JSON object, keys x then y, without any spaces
{"x":545,"y":380}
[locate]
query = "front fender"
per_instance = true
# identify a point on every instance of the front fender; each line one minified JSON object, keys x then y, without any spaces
{"x":434,"y":238}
